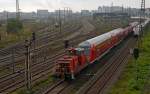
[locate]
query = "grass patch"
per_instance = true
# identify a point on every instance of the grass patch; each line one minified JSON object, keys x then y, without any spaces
{"x":128,"y":82}
{"x":11,"y":38}
{"x":43,"y":83}
{"x":36,"y":87}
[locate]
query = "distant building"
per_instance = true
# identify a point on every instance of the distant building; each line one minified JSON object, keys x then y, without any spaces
{"x":42,"y":14}
{"x":108,"y":9}
{"x":133,"y":11}
{"x":94,"y":11}
{"x":111,"y":15}
{"x":147,"y":11}
{"x":28,"y":15}
{"x":63,"y":12}
{"x":85,"y":12}
{"x":7,"y":15}
{"x":118,"y":9}
{"x":104,"y":9}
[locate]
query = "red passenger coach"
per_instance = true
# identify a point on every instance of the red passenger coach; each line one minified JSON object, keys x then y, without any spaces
{"x":89,"y":51}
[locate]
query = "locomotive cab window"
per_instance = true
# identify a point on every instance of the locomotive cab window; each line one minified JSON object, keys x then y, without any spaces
{"x":79,"y":51}
{"x":86,"y":46}
{"x":87,"y":51}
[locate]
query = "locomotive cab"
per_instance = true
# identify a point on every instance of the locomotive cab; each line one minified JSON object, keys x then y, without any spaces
{"x":71,"y":52}
{"x":81,"y":56}
{"x":67,"y":66}
{"x":75,"y":51}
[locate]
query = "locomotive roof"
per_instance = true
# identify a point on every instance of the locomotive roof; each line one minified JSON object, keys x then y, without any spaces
{"x":99,"y":39}
{"x":134,"y":24}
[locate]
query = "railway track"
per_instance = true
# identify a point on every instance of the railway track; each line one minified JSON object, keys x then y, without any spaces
{"x":7,"y":77}
{"x":101,"y":75}
{"x":16,"y":81}
{"x":36,"y":50}
{"x":7,"y":51}
{"x":35,"y":77}
{"x":43,"y":40}
{"x":56,"y":88}
{"x":46,"y":40}
{"x":98,"y":83}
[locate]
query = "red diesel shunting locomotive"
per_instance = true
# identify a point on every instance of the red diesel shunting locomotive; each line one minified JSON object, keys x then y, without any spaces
{"x":89,"y":51}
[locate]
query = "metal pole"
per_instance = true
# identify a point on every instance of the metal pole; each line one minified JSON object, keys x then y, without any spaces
{"x":70,"y":12}
{"x":64,"y":15}
{"x":0,"y":37}
{"x":6,"y":18}
{"x":142,"y":13}
{"x":17,"y":10}
{"x":53,"y":24}
{"x":13,"y":60}
{"x":34,"y":46}
{"x":122,"y":8}
{"x":27,"y":66}
{"x":59,"y":21}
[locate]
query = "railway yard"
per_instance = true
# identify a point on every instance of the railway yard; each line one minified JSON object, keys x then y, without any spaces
{"x":48,"y":48}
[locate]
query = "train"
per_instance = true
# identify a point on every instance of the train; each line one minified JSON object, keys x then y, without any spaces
{"x":137,"y":29}
{"x":87,"y":52}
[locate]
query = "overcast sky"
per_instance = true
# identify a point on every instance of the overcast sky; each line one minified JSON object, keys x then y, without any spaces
{"x":76,"y":5}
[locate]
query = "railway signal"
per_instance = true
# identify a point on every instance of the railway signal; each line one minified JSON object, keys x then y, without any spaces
{"x":66,"y":42}
{"x":33,"y":36}
{"x":28,"y":44}
{"x":27,"y":65}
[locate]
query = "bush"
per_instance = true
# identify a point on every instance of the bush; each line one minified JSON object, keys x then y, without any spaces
{"x":14,"y":25}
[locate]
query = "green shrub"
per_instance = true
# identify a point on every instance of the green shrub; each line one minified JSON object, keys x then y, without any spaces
{"x":14,"y":25}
